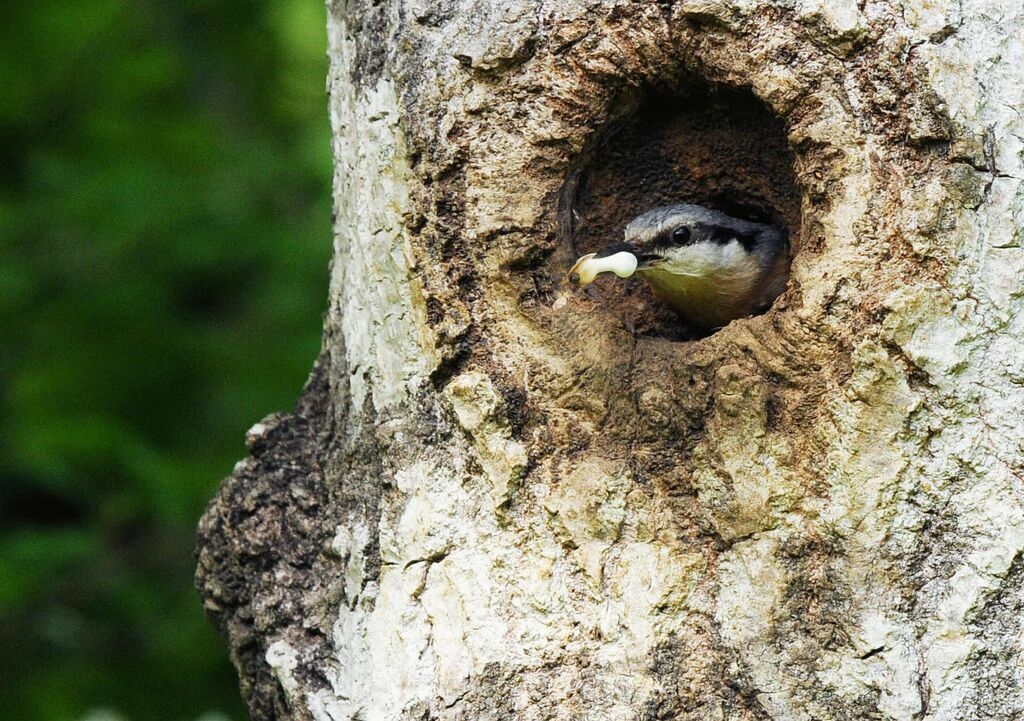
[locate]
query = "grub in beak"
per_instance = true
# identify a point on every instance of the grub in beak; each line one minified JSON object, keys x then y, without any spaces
{"x":589,"y":266}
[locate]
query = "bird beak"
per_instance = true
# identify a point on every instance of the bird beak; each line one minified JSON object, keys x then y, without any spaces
{"x":619,"y":259}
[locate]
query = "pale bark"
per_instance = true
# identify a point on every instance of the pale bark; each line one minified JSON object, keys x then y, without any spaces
{"x":501,"y":498}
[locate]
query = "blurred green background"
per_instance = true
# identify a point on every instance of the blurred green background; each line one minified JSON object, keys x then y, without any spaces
{"x":165,"y":233}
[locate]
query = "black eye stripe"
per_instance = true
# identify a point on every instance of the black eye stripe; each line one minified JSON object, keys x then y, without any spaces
{"x":724,"y":235}
{"x":684,"y":235}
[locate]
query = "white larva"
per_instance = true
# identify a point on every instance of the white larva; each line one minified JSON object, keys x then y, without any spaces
{"x":623,"y":264}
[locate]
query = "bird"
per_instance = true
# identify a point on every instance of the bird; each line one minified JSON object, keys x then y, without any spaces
{"x":710,"y":267}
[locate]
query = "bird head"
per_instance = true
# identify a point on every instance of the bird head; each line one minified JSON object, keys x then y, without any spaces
{"x":689,"y":241}
{"x":709,"y":266}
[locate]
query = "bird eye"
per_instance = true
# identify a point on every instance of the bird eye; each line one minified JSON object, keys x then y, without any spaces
{"x":681,"y":235}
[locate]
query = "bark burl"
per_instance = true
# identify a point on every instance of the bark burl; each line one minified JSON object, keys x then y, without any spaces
{"x":500,"y":498}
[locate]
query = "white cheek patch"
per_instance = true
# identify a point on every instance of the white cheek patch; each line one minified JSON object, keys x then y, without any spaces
{"x":733,"y":254}
{"x":588,"y":267}
{"x":707,"y":259}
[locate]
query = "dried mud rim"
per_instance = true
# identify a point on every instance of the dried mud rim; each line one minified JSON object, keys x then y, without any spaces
{"x":700,"y":142}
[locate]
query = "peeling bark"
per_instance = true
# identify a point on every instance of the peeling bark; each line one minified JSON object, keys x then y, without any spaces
{"x":501,"y":498}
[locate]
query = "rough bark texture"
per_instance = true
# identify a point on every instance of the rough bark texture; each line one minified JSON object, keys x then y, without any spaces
{"x":503,"y":499}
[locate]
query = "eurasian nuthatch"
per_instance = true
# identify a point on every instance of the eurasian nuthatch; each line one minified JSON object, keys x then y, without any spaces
{"x":712,"y":268}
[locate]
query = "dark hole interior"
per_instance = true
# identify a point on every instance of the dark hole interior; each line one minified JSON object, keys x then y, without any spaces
{"x":708,"y":144}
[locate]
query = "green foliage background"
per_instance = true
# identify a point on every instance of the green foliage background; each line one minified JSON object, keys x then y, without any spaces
{"x":165,"y":233}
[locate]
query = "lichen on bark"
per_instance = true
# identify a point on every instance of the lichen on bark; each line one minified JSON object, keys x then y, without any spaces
{"x":500,"y":498}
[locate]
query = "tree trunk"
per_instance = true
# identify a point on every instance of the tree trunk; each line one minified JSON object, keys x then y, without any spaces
{"x":503,"y":498}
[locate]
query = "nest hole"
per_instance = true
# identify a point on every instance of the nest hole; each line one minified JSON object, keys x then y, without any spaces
{"x":703,"y":143}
